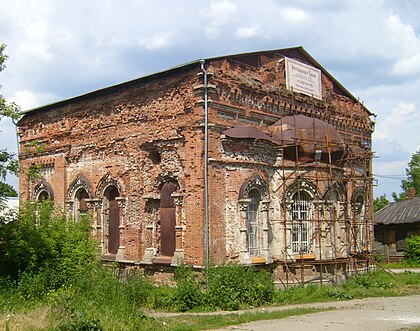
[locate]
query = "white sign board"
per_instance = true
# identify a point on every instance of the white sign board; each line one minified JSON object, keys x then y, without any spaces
{"x":303,"y":78}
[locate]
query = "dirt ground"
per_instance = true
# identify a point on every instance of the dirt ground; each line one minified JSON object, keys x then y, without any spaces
{"x":371,"y":314}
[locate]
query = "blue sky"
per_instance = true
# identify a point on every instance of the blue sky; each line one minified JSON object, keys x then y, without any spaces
{"x":59,"y":49}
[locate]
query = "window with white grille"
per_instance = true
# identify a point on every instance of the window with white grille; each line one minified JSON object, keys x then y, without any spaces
{"x":360,"y":228}
{"x":252,"y":220}
{"x":300,"y":222}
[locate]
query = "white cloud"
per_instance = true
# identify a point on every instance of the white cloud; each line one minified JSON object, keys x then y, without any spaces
{"x":404,"y":45}
{"x":391,"y":169}
{"x":295,"y":15}
{"x":59,"y":49}
{"x":401,"y":127}
{"x":220,"y":13}
{"x":408,"y":66}
{"x":248,"y":31}
{"x":154,"y":42}
{"x":29,"y":99}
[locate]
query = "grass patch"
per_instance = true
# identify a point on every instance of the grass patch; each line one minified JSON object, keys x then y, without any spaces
{"x":39,"y":319}
{"x":208,"y":322}
{"x":377,"y":284}
{"x":51,"y":279}
{"x":404,"y":264}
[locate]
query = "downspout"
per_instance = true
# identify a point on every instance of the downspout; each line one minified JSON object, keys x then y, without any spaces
{"x":206,"y":159}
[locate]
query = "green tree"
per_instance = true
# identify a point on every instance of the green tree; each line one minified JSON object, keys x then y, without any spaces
{"x":413,"y":178}
{"x":8,"y":162}
{"x":380,"y":202}
{"x":40,"y":249}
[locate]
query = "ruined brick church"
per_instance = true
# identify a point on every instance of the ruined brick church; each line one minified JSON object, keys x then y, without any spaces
{"x":259,"y":159}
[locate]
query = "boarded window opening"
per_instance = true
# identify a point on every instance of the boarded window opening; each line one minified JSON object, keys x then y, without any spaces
{"x":167,"y":219}
{"x":114,"y":220}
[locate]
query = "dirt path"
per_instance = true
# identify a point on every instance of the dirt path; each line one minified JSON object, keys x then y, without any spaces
{"x":371,"y":314}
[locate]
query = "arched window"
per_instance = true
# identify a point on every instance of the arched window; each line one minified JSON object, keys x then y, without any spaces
{"x":301,"y":210}
{"x":42,"y":192}
{"x":79,"y":190}
{"x":43,"y":195}
{"x":254,"y":201}
{"x":252,"y":222}
{"x":360,"y":226}
{"x":112,"y":219}
{"x":80,"y":204}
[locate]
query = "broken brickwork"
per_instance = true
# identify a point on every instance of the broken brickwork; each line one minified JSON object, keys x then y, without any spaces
{"x":133,"y":154}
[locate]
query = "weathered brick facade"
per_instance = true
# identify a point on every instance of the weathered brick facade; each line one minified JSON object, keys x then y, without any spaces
{"x":133,"y":156}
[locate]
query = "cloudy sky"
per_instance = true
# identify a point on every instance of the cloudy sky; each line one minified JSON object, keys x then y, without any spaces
{"x":59,"y":49}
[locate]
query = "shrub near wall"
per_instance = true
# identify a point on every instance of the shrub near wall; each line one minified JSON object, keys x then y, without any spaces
{"x":229,"y":287}
{"x":412,"y":249}
{"x":232,"y":286}
{"x":42,"y":250}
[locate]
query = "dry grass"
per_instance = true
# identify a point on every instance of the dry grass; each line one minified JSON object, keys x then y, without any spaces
{"x":35,"y":319}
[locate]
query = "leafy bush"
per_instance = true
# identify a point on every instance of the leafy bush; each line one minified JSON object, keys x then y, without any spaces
{"x":42,"y":250}
{"x":412,"y":249}
{"x":81,"y":322}
{"x":187,"y":294}
{"x":232,"y":286}
{"x":376,"y":280}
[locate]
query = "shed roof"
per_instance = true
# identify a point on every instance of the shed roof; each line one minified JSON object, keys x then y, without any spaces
{"x":407,"y":211}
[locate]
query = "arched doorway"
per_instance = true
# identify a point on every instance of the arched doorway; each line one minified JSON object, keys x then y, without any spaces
{"x":167,"y":219}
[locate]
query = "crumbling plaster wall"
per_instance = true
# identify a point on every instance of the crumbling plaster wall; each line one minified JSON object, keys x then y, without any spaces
{"x":247,"y":95}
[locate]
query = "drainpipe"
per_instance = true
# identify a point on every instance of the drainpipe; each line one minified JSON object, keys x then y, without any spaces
{"x":206,"y":159}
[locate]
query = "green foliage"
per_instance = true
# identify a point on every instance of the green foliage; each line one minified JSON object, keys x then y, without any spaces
{"x":34,"y":172}
{"x":7,"y":190}
{"x":368,"y":281}
{"x":187,"y":294}
{"x":7,"y":110}
{"x":229,"y":287}
{"x":41,"y":249}
{"x":413,"y":178}
{"x":412,"y":249}
{"x":8,"y":162}
{"x":380,"y":202}
{"x":81,"y":322}
{"x":103,"y":298}
{"x":233,"y":286}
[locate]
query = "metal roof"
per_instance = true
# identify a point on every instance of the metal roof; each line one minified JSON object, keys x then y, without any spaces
{"x":407,"y":211}
{"x":284,"y":52}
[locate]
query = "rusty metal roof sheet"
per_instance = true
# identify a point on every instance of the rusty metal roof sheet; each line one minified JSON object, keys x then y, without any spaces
{"x":246,"y":132}
{"x":310,"y":133}
{"x":407,"y":211}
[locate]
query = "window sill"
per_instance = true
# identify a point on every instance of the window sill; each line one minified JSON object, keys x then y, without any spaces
{"x":305,"y":257}
{"x":258,"y":260}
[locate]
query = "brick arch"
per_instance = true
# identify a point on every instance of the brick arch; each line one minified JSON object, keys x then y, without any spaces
{"x":255,"y":182}
{"x":302,"y":185}
{"x":167,"y":178}
{"x":79,"y":182}
{"x":338,"y":187}
{"x":42,"y":186}
{"x":107,"y":181}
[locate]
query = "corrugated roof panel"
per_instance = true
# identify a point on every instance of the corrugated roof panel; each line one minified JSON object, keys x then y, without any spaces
{"x":407,"y":211}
